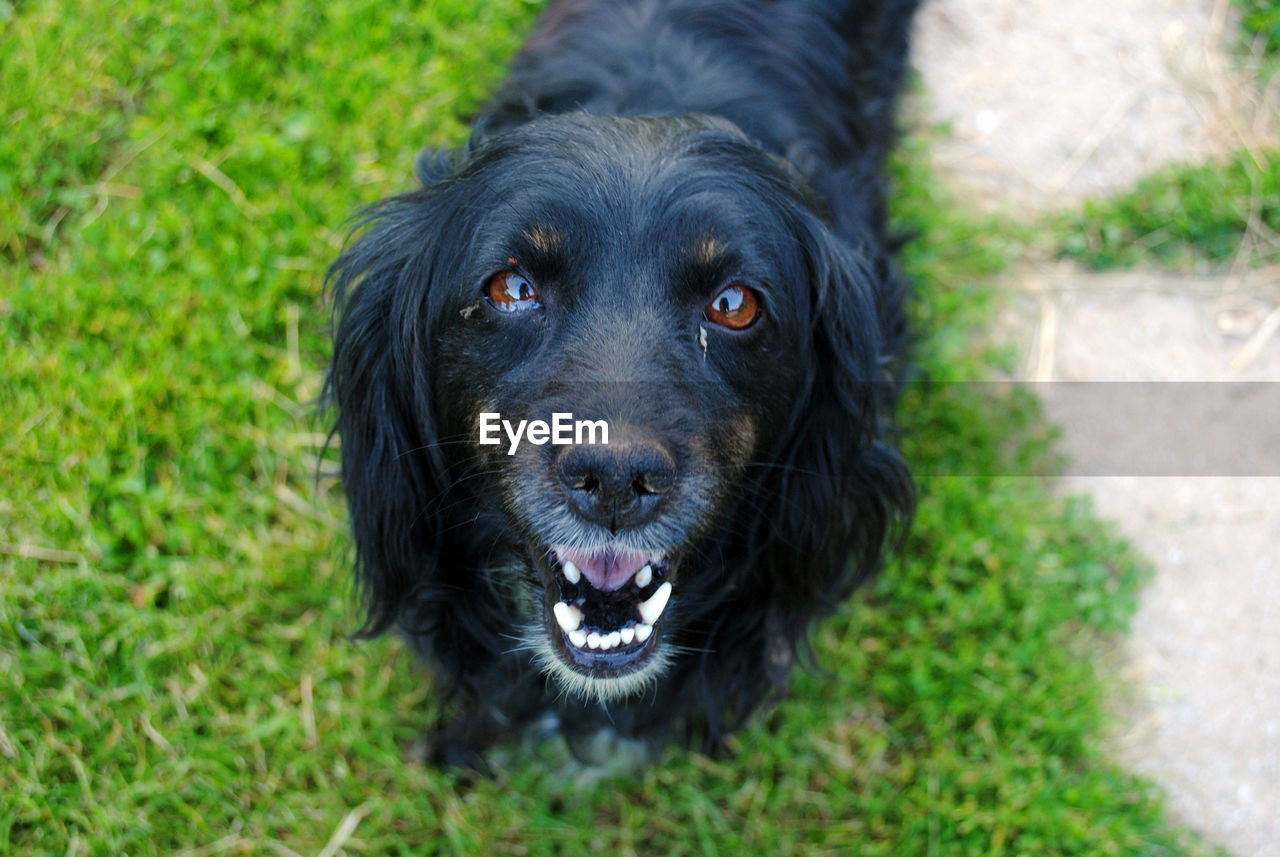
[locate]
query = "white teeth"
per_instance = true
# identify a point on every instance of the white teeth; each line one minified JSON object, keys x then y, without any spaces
{"x":604,"y":642}
{"x":650,"y":610}
{"x":571,"y":620}
{"x":568,"y":616}
{"x":571,"y":572}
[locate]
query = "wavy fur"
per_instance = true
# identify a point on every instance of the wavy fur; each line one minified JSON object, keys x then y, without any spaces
{"x":623,"y":129}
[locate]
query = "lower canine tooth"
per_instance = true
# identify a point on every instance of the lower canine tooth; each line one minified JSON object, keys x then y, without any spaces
{"x":650,"y":610}
{"x":643,"y":632}
{"x":568,"y":616}
{"x":578,"y":638}
{"x":571,"y":572}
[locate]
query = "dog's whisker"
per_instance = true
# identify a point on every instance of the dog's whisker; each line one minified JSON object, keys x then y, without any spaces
{"x":436,"y":444}
{"x":781,"y":466}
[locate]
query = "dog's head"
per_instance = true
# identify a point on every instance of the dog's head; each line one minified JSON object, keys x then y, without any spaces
{"x":659,"y":280}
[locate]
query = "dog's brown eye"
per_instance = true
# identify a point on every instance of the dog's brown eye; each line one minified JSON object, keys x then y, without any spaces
{"x":511,"y":292}
{"x":736,"y":307}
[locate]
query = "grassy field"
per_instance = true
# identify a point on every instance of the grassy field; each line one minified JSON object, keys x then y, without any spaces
{"x":176,"y":675}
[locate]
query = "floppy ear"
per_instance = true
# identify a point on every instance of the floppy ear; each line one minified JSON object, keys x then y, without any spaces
{"x":378,"y":381}
{"x":842,"y":492}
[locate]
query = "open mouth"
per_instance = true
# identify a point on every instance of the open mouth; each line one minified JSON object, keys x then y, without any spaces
{"x":606,"y":607}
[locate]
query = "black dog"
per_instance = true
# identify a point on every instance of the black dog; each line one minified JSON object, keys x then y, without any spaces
{"x":670,"y":224}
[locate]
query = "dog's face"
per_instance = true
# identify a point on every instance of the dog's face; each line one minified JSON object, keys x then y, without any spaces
{"x":658,"y":280}
{"x":622,"y":278}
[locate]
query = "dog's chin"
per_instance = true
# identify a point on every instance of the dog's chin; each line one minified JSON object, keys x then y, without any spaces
{"x":600,"y":636}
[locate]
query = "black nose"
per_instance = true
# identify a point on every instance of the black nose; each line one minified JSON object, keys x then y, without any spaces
{"x":616,"y":486}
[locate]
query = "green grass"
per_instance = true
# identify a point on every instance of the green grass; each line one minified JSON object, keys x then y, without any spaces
{"x":1260,"y":21}
{"x":175,"y":669}
{"x":1187,"y":217}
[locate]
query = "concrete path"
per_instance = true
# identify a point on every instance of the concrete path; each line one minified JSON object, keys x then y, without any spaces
{"x":1052,"y":102}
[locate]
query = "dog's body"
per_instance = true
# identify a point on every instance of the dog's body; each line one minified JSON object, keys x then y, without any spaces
{"x":670,"y":218}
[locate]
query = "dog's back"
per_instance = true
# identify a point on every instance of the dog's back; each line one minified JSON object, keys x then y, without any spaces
{"x":813,"y":81}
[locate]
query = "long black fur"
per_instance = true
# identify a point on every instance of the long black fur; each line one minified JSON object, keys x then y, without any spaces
{"x":783,"y":113}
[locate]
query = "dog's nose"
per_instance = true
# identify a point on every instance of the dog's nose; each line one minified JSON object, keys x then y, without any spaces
{"x":616,"y":486}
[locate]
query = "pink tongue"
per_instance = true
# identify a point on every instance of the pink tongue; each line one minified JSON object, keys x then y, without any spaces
{"x":606,"y":570}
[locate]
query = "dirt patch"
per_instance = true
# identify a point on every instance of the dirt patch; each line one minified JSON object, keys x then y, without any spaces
{"x":1049,"y":102}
